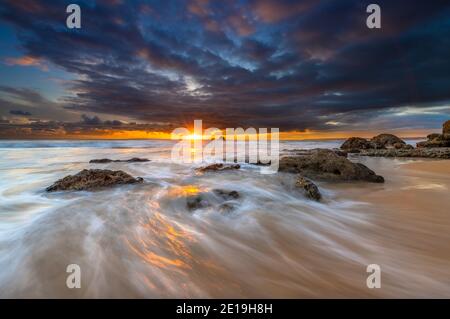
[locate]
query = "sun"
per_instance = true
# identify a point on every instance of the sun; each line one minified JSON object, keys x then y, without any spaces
{"x":193,"y":137}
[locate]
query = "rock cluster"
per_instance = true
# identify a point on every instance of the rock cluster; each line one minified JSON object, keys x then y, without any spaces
{"x":92,"y":179}
{"x":436,"y":139}
{"x":324,"y":164}
{"x":388,"y":145}
{"x":382,"y":141}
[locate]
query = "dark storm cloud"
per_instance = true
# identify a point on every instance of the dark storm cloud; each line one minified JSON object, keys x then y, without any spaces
{"x":19,"y":112}
{"x":287,"y":64}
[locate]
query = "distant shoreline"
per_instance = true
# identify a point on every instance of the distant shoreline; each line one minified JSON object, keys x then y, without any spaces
{"x":163,"y":139}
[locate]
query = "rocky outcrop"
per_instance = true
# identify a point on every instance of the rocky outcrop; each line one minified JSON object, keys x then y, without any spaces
{"x":382,"y":141}
{"x":385,"y":141}
{"x":218,"y":167}
{"x":310,"y":189}
{"x":355,"y":144}
{"x":92,"y":179}
{"x":423,"y":152}
{"x":436,"y":139}
{"x":323,"y":164}
{"x":107,"y":160}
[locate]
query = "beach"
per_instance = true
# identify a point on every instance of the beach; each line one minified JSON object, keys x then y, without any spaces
{"x":141,"y":240}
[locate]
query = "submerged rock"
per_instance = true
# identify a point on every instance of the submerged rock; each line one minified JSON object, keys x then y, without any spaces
{"x":222,"y":200}
{"x":91,"y":179}
{"x":309,"y":188}
{"x":196,"y":202}
{"x":218,"y":167}
{"x":323,"y":164}
{"x":227,"y":195}
{"x":107,"y":160}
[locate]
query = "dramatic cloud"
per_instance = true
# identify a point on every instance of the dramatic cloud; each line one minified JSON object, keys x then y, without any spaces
{"x":296,"y":65}
{"x":19,"y":112}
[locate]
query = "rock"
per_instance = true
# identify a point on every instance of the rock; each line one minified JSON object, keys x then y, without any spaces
{"x":309,"y":188}
{"x":196,"y":202}
{"x":93,"y":178}
{"x":323,"y":164}
{"x":107,"y":160}
{"x":226,"y":208}
{"x":227,"y":195}
{"x":422,"y":152}
{"x":437,"y":140}
{"x":223,"y":201}
{"x":446,"y":127}
{"x":101,"y":161}
{"x":432,"y":136}
{"x":356,"y":143}
{"x":384,"y":141}
{"x":340,"y":152}
{"x":218,"y":167}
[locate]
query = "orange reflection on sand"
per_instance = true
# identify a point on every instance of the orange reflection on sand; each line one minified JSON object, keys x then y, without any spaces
{"x":187,"y":190}
{"x":162,"y":244}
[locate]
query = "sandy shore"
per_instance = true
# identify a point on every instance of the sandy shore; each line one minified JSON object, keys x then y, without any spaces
{"x":410,"y":224}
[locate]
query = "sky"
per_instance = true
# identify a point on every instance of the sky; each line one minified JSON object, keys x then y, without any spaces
{"x":139,"y":69}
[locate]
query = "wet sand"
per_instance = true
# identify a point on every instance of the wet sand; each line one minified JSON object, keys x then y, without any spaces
{"x":411,"y":225}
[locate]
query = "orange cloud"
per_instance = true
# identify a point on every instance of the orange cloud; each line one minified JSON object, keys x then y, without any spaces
{"x":199,"y":7}
{"x":241,"y":25}
{"x":27,"y":60}
{"x":273,"y":11}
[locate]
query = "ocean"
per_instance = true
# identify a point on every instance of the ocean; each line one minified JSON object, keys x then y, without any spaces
{"x":142,"y":241}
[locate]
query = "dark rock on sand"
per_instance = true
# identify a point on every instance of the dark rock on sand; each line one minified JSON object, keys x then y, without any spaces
{"x":385,"y":141}
{"x":107,"y":160}
{"x":356,"y":143}
{"x":323,"y":164}
{"x":424,"y":152}
{"x":309,"y":188}
{"x":218,"y":167}
{"x":91,"y":179}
